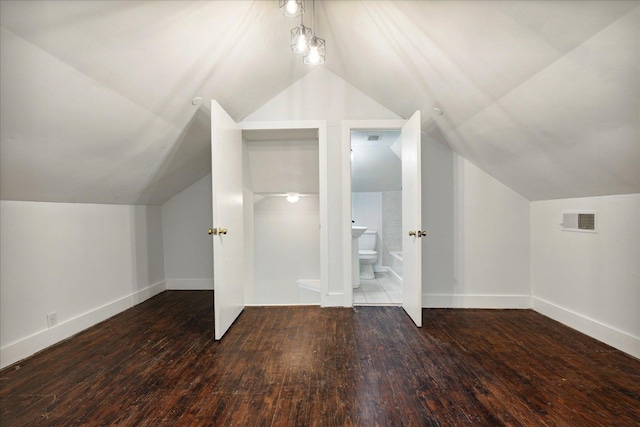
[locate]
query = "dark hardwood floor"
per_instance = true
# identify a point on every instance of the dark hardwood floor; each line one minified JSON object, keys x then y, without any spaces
{"x":157,"y":364}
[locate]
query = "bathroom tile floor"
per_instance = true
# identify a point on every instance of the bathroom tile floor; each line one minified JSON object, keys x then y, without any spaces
{"x":383,"y":290}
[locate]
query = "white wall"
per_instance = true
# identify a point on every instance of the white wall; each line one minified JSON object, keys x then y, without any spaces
{"x":247,"y":208}
{"x":590,"y":281}
{"x":488,"y":267}
{"x":188,"y":249}
{"x":438,"y":266}
{"x":148,"y":256}
{"x":491,"y":245}
{"x":85,"y":262}
{"x":287,"y":248}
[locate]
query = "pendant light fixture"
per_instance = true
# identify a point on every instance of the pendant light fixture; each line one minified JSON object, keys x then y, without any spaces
{"x":292,"y":8}
{"x":315,"y":54}
{"x":301,"y":37}
{"x":304,"y":39}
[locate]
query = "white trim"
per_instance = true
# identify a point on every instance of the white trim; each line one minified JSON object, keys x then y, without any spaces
{"x":30,"y":345}
{"x":347,"y":127}
{"x":591,"y":327}
{"x":189,"y":284}
{"x":283,"y":124}
{"x":475,"y":301}
{"x":323,"y":148}
{"x":294,"y":304}
{"x":333,"y":299}
{"x":149,"y":292}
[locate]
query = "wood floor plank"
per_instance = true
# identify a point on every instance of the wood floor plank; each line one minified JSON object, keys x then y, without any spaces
{"x":158,"y":364}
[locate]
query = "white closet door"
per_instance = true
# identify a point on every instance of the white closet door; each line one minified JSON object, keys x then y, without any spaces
{"x":228,"y":232}
{"x":412,"y":233}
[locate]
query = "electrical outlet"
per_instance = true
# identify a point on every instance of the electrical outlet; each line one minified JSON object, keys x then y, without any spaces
{"x":52,"y":319}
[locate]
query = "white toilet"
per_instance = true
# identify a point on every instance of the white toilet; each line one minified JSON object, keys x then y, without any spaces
{"x":367,"y":253}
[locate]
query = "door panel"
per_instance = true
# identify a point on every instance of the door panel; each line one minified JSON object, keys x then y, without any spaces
{"x":411,"y":220}
{"x":228,"y":223}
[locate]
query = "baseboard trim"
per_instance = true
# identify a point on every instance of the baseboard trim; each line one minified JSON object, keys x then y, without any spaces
{"x":30,"y":345}
{"x":189,"y":284}
{"x":332,"y":299}
{"x":595,"y":329}
{"x":475,"y":301}
{"x":293,"y":304}
{"x":150,"y":291}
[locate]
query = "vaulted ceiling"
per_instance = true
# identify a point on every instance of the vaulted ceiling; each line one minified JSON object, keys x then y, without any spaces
{"x":96,"y":96}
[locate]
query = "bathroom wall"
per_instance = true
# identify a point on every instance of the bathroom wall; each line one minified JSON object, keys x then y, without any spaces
{"x":286,"y":247}
{"x":391,"y":225}
{"x":380,"y":211}
{"x":366,"y":208}
{"x":85,"y":262}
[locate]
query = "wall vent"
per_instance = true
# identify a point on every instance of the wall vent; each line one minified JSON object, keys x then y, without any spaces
{"x":374,"y":137}
{"x":579,"y":221}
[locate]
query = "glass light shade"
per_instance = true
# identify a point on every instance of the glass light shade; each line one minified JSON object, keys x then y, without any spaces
{"x":300,"y":38}
{"x":315,"y":54}
{"x":293,"y":197}
{"x":292,"y":8}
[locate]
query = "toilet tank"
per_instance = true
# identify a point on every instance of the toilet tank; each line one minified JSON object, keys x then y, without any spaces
{"x":368,"y":240}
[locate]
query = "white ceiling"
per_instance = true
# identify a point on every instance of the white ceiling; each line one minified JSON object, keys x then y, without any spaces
{"x":376,"y":165}
{"x":95,"y":101}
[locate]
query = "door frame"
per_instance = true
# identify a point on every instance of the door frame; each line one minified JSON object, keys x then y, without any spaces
{"x":321,"y":126}
{"x":347,"y":127}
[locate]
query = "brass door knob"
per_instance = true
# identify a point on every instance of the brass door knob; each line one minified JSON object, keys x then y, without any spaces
{"x":217,"y":231}
{"x":422,"y":233}
{"x":412,"y":233}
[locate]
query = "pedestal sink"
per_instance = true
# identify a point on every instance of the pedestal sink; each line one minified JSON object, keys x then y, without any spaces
{"x":356,"y":232}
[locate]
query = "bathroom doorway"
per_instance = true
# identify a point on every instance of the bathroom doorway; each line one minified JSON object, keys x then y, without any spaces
{"x":412,"y":232}
{"x":376,"y":204}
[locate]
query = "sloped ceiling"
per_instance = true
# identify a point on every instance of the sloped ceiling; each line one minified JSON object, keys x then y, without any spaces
{"x":376,"y":164}
{"x":96,"y":96}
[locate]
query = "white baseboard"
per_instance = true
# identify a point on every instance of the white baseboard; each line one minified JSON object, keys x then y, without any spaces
{"x":334,"y":299}
{"x":475,"y":301}
{"x":30,"y":345}
{"x":190,"y":284}
{"x":595,"y":329}
{"x":150,"y":291}
{"x":293,"y":304}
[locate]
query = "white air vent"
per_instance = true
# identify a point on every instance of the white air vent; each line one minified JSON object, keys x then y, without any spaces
{"x":374,"y":137}
{"x":584,"y":221}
